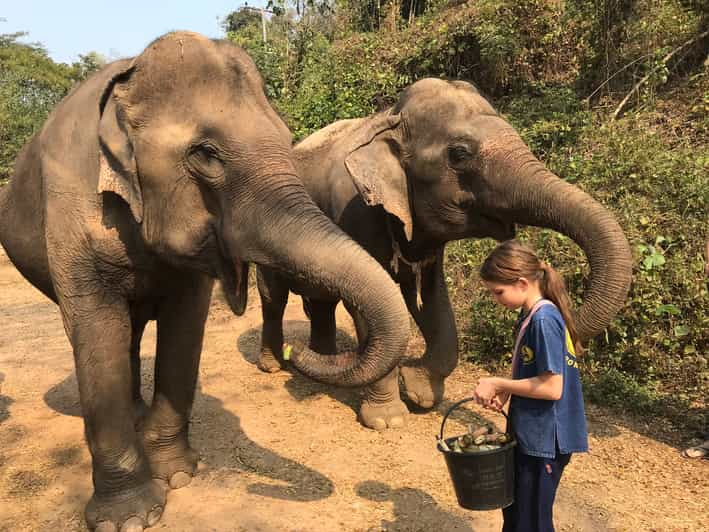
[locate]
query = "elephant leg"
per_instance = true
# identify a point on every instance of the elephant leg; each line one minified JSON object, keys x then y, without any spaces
{"x":323,"y":330}
{"x":99,"y":328}
{"x":274,"y":297}
{"x":382,"y":406}
{"x":180,"y":321}
{"x":424,"y":377}
{"x":137,"y":328}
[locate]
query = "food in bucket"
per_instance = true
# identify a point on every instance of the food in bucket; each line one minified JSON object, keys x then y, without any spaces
{"x":477,"y":439}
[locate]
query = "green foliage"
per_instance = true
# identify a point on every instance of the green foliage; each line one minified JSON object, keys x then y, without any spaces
{"x":658,"y":187}
{"x":548,"y":117}
{"x":241,"y":19}
{"x":621,"y":41}
{"x":87,"y":65}
{"x":622,"y":392}
{"x":31,"y":84}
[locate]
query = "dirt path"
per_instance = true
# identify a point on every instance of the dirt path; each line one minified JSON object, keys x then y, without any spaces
{"x":281,"y":453}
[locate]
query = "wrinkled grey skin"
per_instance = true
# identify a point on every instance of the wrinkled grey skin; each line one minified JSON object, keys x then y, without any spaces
{"x":140,"y":189}
{"x":440,"y":165}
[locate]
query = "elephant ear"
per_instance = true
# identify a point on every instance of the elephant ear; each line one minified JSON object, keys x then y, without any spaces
{"x":376,"y":169}
{"x":118,"y":172}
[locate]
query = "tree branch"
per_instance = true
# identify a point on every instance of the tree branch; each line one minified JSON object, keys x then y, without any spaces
{"x":588,"y":98}
{"x":640,"y":83}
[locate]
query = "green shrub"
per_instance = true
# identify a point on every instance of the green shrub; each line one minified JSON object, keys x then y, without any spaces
{"x":658,"y":187}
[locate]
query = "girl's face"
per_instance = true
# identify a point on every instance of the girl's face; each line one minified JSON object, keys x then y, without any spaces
{"x":511,"y":296}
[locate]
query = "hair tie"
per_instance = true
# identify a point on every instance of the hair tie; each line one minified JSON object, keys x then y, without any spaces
{"x":543,"y":267}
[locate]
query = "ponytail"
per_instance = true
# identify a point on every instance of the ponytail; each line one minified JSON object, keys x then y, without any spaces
{"x":511,"y":260}
{"x":554,"y":289}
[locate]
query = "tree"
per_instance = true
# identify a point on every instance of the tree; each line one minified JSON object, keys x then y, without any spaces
{"x":238,"y":20}
{"x":87,"y":65}
{"x":31,"y":84}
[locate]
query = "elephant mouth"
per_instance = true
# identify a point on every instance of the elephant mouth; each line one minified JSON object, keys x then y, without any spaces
{"x":483,"y":225}
{"x":499,"y":229}
{"x":234,"y":275}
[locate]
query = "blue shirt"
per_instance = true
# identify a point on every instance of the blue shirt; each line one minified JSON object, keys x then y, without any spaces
{"x":541,"y":425}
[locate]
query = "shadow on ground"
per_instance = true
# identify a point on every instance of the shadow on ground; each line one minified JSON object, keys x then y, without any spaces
{"x":299,"y":386}
{"x":5,"y":402}
{"x":414,"y":509}
{"x":223,"y":446}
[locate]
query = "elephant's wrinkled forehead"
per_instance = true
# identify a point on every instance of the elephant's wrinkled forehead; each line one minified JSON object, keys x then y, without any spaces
{"x":185,"y":66}
{"x":436,"y":100}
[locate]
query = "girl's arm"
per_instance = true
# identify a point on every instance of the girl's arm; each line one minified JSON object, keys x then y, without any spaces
{"x":547,"y":386}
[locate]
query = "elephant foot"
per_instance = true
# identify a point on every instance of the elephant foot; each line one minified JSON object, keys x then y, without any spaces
{"x":422,"y":386}
{"x":268,"y":362}
{"x":380,"y":416}
{"x":134,"y":511}
{"x":173,"y":462}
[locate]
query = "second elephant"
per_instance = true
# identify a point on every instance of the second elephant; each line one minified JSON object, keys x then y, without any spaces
{"x":440,"y":165}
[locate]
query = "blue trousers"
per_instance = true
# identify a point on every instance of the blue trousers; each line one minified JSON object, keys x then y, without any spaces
{"x":536,"y":480}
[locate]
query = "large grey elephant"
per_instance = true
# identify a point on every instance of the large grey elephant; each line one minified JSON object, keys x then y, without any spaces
{"x":152,"y":178}
{"x":440,"y":165}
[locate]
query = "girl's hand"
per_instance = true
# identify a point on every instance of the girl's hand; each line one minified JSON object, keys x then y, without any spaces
{"x":500,"y":400}
{"x":486,"y":391}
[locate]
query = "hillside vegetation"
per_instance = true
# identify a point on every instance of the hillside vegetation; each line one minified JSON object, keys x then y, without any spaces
{"x":612,"y":95}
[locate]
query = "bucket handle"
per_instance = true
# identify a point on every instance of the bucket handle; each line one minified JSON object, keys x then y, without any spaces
{"x":456,"y":405}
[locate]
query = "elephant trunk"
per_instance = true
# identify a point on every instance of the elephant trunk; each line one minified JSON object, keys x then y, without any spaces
{"x":540,"y":198}
{"x":298,"y":240}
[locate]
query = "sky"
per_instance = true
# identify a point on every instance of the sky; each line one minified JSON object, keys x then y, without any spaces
{"x":114,"y":29}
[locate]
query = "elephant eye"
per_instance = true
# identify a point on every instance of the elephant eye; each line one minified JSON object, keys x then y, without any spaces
{"x":459,"y":155}
{"x":203,"y":159}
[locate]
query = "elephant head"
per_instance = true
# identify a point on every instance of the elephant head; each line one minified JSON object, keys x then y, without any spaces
{"x":189,"y":141}
{"x":446,"y":165}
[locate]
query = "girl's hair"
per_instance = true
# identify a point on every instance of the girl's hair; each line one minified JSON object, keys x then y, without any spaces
{"x":511,"y":260}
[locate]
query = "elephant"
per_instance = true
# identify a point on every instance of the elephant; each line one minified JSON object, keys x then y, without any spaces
{"x":148,"y":181}
{"x":439,"y":165}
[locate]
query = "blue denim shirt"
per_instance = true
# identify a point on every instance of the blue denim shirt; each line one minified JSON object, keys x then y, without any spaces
{"x":541,"y":425}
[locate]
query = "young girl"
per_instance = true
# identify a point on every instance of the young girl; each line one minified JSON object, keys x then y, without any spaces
{"x":546,"y":411}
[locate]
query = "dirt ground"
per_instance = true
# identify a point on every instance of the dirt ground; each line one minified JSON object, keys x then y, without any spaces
{"x":281,"y":453}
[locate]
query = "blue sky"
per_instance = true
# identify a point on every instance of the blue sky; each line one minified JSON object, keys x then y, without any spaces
{"x":117,"y":28}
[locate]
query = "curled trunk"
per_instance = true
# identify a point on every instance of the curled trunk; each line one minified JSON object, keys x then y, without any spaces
{"x":542,"y":199}
{"x":298,"y":240}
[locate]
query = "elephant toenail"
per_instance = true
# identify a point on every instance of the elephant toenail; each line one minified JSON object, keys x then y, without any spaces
{"x":155,"y":515}
{"x":179,"y":480}
{"x":379,"y":424}
{"x":105,"y":526}
{"x":396,"y":422}
{"x":134,"y":524}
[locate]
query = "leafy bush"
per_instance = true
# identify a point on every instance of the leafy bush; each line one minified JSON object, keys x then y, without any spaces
{"x":31,"y":84}
{"x":658,"y":187}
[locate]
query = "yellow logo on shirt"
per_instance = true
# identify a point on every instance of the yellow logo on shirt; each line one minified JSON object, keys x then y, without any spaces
{"x":527,"y":355}
{"x":569,"y":343}
{"x":571,"y":356}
